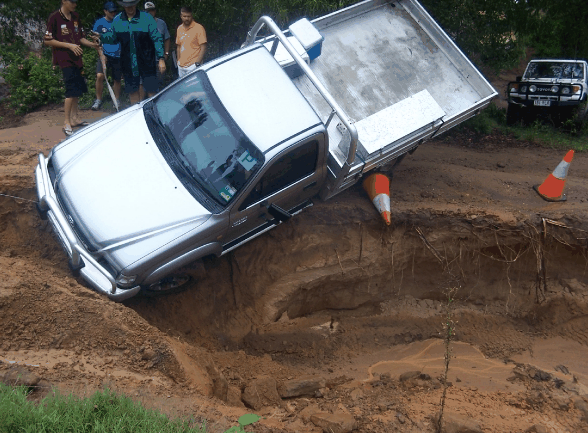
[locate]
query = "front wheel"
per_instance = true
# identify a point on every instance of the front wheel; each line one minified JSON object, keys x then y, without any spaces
{"x":580,"y":113}
{"x":513,"y":114}
{"x":167,"y":286}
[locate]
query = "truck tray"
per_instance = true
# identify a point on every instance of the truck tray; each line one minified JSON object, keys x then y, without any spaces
{"x":398,"y":77}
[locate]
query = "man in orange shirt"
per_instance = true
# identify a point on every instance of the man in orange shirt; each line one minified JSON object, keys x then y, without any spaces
{"x":191,"y":43}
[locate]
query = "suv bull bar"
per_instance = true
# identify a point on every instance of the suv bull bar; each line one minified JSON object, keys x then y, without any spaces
{"x":80,"y":260}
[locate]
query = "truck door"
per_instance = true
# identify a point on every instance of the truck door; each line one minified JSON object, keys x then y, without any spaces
{"x":290,"y":178}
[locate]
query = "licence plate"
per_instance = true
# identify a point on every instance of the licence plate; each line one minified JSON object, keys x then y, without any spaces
{"x":542,"y":103}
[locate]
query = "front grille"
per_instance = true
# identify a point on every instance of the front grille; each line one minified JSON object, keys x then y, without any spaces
{"x":81,"y":237}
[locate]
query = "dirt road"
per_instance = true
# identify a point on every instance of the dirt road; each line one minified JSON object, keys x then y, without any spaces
{"x":333,"y":308}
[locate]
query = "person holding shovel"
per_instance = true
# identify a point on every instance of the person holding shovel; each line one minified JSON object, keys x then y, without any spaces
{"x":141,"y":44}
{"x":65,"y":36}
{"x":111,"y":57}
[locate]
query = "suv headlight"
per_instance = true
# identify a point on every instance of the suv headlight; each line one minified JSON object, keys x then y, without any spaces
{"x":554,"y":89}
{"x":565,"y":91}
{"x":514,"y":88}
{"x":532,"y":88}
{"x":523,"y":89}
{"x":125,"y":281}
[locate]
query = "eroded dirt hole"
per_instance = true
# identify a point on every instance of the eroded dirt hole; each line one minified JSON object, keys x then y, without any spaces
{"x":314,"y":290}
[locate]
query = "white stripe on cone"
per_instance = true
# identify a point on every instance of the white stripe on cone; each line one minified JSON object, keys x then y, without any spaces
{"x":561,"y":171}
{"x":382,"y":202}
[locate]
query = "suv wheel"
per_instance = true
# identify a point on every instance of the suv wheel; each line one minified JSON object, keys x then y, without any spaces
{"x":168,"y":285}
{"x":513,"y":114}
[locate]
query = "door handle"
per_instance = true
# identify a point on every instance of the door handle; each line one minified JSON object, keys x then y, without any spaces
{"x":310,"y":185}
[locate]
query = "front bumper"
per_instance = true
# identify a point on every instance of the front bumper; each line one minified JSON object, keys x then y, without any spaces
{"x":80,"y":260}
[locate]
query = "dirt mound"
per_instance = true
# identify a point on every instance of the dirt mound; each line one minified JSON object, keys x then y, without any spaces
{"x":334,"y":296}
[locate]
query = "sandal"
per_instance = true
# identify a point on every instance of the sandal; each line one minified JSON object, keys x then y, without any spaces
{"x":67,"y":130}
{"x":82,"y":123}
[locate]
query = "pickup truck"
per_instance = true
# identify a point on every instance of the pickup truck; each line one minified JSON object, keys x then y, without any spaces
{"x":247,"y":140}
{"x":549,"y":86}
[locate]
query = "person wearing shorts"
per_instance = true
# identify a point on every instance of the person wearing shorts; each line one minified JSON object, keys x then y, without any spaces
{"x":112,"y":55}
{"x":141,"y":44}
{"x":64,"y":35}
{"x":162,"y":28}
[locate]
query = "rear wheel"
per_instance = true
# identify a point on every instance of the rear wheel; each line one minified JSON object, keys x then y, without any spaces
{"x":513,"y":114}
{"x":168,"y":285}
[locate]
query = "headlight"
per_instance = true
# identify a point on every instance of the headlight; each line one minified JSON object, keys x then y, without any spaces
{"x":575,"y":89}
{"x":523,"y":89}
{"x":514,"y":88}
{"x":532,"y":88}
{"x":565,"y":91}
{"x":125,"y":281}
{"x":554,"y":89}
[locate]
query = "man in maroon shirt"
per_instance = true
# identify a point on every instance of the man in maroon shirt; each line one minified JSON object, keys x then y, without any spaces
{"x":65,"y":35}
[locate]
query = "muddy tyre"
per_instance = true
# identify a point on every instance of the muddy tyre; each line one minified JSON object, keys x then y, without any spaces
{"x":167,"y":286}
{"x":513,"y":114}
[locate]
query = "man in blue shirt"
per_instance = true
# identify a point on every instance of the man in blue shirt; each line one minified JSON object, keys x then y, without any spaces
{"x":112,"y":54}
{"x":140,"y":45}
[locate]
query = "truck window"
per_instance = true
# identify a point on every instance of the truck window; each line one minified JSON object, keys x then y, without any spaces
{"x":286,"y":169}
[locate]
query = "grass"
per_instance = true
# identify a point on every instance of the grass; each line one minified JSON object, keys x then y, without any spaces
{"x":104,"y":411}
{"x":541,"y":132}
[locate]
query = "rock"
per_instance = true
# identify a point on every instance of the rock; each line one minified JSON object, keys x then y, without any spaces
{"x":453,"y":423}
{"x":537,"y":428}
{"x":262,"y":392}
{"x":581,"y":405}
{"x":334,"y":423}
{"x":401,"y":418}
{"x":500,"y":164}
{"x":424,"y":376}
{"x":409,"y":375}
{"x":148,"y":355}
{"x":561,"y":403}
{"x":18,"y":376}
{"x":234,"y":396}
{"x":575,"y":286}
{"x":306,"y":385}
{"x":356,"y":394}
{"x":308,"y":411}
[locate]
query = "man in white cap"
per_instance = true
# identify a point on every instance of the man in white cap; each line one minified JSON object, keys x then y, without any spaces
{"x":161,"y":28}
{"x":191,"y":43}
{"x":141,"y":44}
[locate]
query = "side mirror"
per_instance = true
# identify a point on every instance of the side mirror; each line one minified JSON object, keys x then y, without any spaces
{"x":278,"y":213}
{"x":519,"y":78}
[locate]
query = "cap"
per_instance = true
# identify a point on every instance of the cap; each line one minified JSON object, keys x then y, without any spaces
{"x":149,"y":6}
{"x":127,"y":3}
{"x":110,"y":7}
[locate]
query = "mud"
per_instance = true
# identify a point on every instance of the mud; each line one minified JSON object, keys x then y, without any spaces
{"x":336,"y":295}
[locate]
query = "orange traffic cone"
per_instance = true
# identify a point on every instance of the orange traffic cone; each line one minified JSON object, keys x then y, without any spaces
{"x":552,"y":188}
{"x":377,"y":186}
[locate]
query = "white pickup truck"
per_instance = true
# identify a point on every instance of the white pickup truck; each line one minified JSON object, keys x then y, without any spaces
{"x":549,"y":86}
{"x":247,"y":140}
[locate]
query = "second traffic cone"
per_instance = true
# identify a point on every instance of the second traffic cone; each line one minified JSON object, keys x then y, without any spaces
{"x":377,"y":186}
{"x":552,"y":188}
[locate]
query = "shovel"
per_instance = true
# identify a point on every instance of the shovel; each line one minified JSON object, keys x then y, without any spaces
{"x":103,"y":61}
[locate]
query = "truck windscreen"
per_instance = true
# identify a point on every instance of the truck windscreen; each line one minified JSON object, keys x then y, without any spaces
{"x":212,"y":148}
{"x":566,"y":70}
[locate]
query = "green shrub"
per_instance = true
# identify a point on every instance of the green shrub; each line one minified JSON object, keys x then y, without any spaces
{"x":33,"y":82}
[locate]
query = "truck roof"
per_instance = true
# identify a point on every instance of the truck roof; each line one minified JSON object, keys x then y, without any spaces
{"x":261,"y":98}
